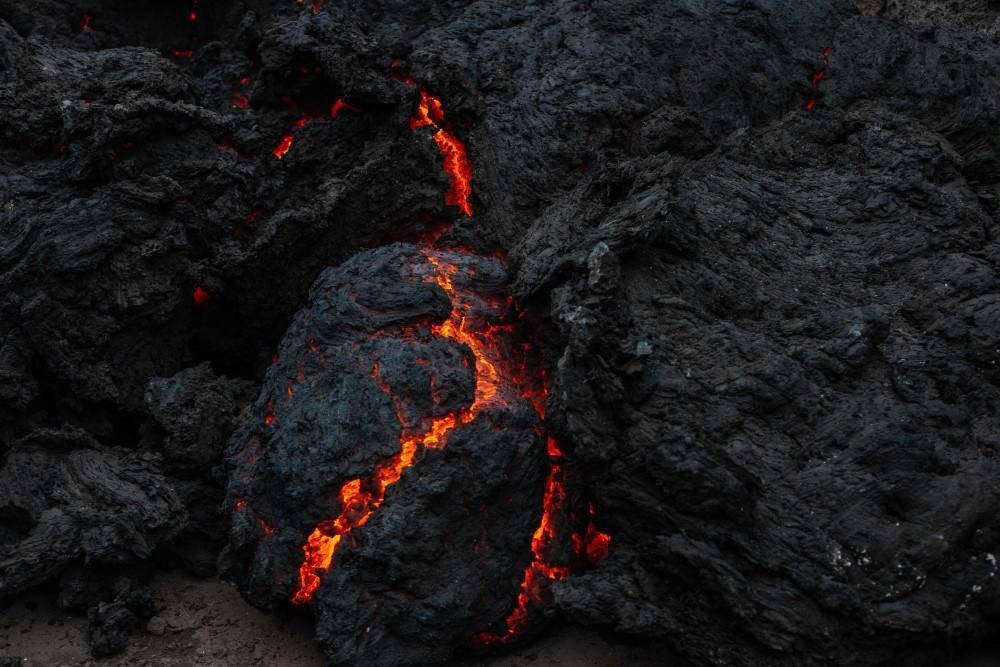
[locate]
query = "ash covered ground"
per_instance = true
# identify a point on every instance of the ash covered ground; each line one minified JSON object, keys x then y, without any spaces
{"x":439,"y":324}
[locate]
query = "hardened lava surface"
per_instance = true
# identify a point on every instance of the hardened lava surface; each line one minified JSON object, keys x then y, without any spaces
{"x":752,"y":248}
{"x":372,"y":431}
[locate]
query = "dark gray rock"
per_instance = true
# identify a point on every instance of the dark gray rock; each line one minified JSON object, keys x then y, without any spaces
{"x":72,"y":498}
{"x":772,"y":333}
{"x":196,"y":411}
{"x":441,"y":558}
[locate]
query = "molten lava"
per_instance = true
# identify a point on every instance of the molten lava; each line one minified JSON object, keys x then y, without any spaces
{"x":282,"y":148}
{"x":540,"y":569}
{"x":456,"y":160}
{"x":496,"y":377}
{"x":360,"y":497}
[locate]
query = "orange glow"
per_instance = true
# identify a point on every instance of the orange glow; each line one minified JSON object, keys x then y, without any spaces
{"x":496,"y":377}
{"x":539,"y":569}
{"x":596,"y":543}
{"x":429,"y":111}
{"x":193,"y":16}
{"x":240,"y":101}
{"x":456,"y":160}
{"x":282,"y":149}
{"x":200,"y":296}
{"x":187,"y":53}
{"x":85,"y":24}
{"x":459,"y":169}
{"x":359,"y":498}
{"x":341,"y":105}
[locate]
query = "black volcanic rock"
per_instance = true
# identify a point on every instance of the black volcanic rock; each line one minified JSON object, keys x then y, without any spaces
{"x":441,"y":559}
{"x":802,"y":467}
{"x":65,"y":497}
{"x":772,"y":332}
{"x":195,"y":411}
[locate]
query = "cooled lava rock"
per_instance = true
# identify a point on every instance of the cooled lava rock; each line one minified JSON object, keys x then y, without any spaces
{"x":436,"y":545}
{"x":756,"y":239}
{"x":64,"y":497}
{"x":193,"y":414}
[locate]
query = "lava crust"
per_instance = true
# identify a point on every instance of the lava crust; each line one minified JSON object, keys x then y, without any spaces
{"x":676,"y":320}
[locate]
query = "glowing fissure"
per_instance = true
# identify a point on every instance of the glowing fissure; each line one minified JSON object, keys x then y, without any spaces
{"x":456,"y":164}
{"x":495,"y":379}
{"x":361,"y":497}
{"x":817,"y":77}
{"x":285,"y":145}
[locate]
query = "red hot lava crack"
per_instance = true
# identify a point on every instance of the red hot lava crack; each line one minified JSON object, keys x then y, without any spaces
{"x":495,"y":378}
{"x":817,"y":77}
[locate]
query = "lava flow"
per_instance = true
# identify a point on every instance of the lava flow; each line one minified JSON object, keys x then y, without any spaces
{"x":456,"y":164}
{"x":360,"y":497}
{"x":495,"y":379}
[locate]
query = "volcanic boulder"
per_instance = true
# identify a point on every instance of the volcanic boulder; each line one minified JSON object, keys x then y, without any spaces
{"x":64,"y":497}
{"x":780,"y":371}
{"x":437,"y":540}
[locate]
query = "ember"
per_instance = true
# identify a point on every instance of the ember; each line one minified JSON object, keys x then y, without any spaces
{"x":200,"y":296}
{"x":456,"y":160}
{"x":817,"y":77}
{"x":282,"y":148}
{"x":341,"y":105}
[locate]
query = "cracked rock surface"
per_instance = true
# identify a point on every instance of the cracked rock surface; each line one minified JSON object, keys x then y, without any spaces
{"x":772,"y":333}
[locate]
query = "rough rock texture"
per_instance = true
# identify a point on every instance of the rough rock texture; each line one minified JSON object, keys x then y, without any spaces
{"x":63,"y":496}
{"x":358,"y":368}
{"x":772,"y":332}
{"x":193,"y":414}
{"x":195,"y":411}
{"x":979,"y":14}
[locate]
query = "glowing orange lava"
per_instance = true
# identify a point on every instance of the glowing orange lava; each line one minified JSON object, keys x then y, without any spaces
{"x":282,"y":148}
{"x":456,"y":160}
{"x":539,"y":569}
{"x":200,"y":296}
{"x":360,"y":497}
{"x":495,"y":378}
